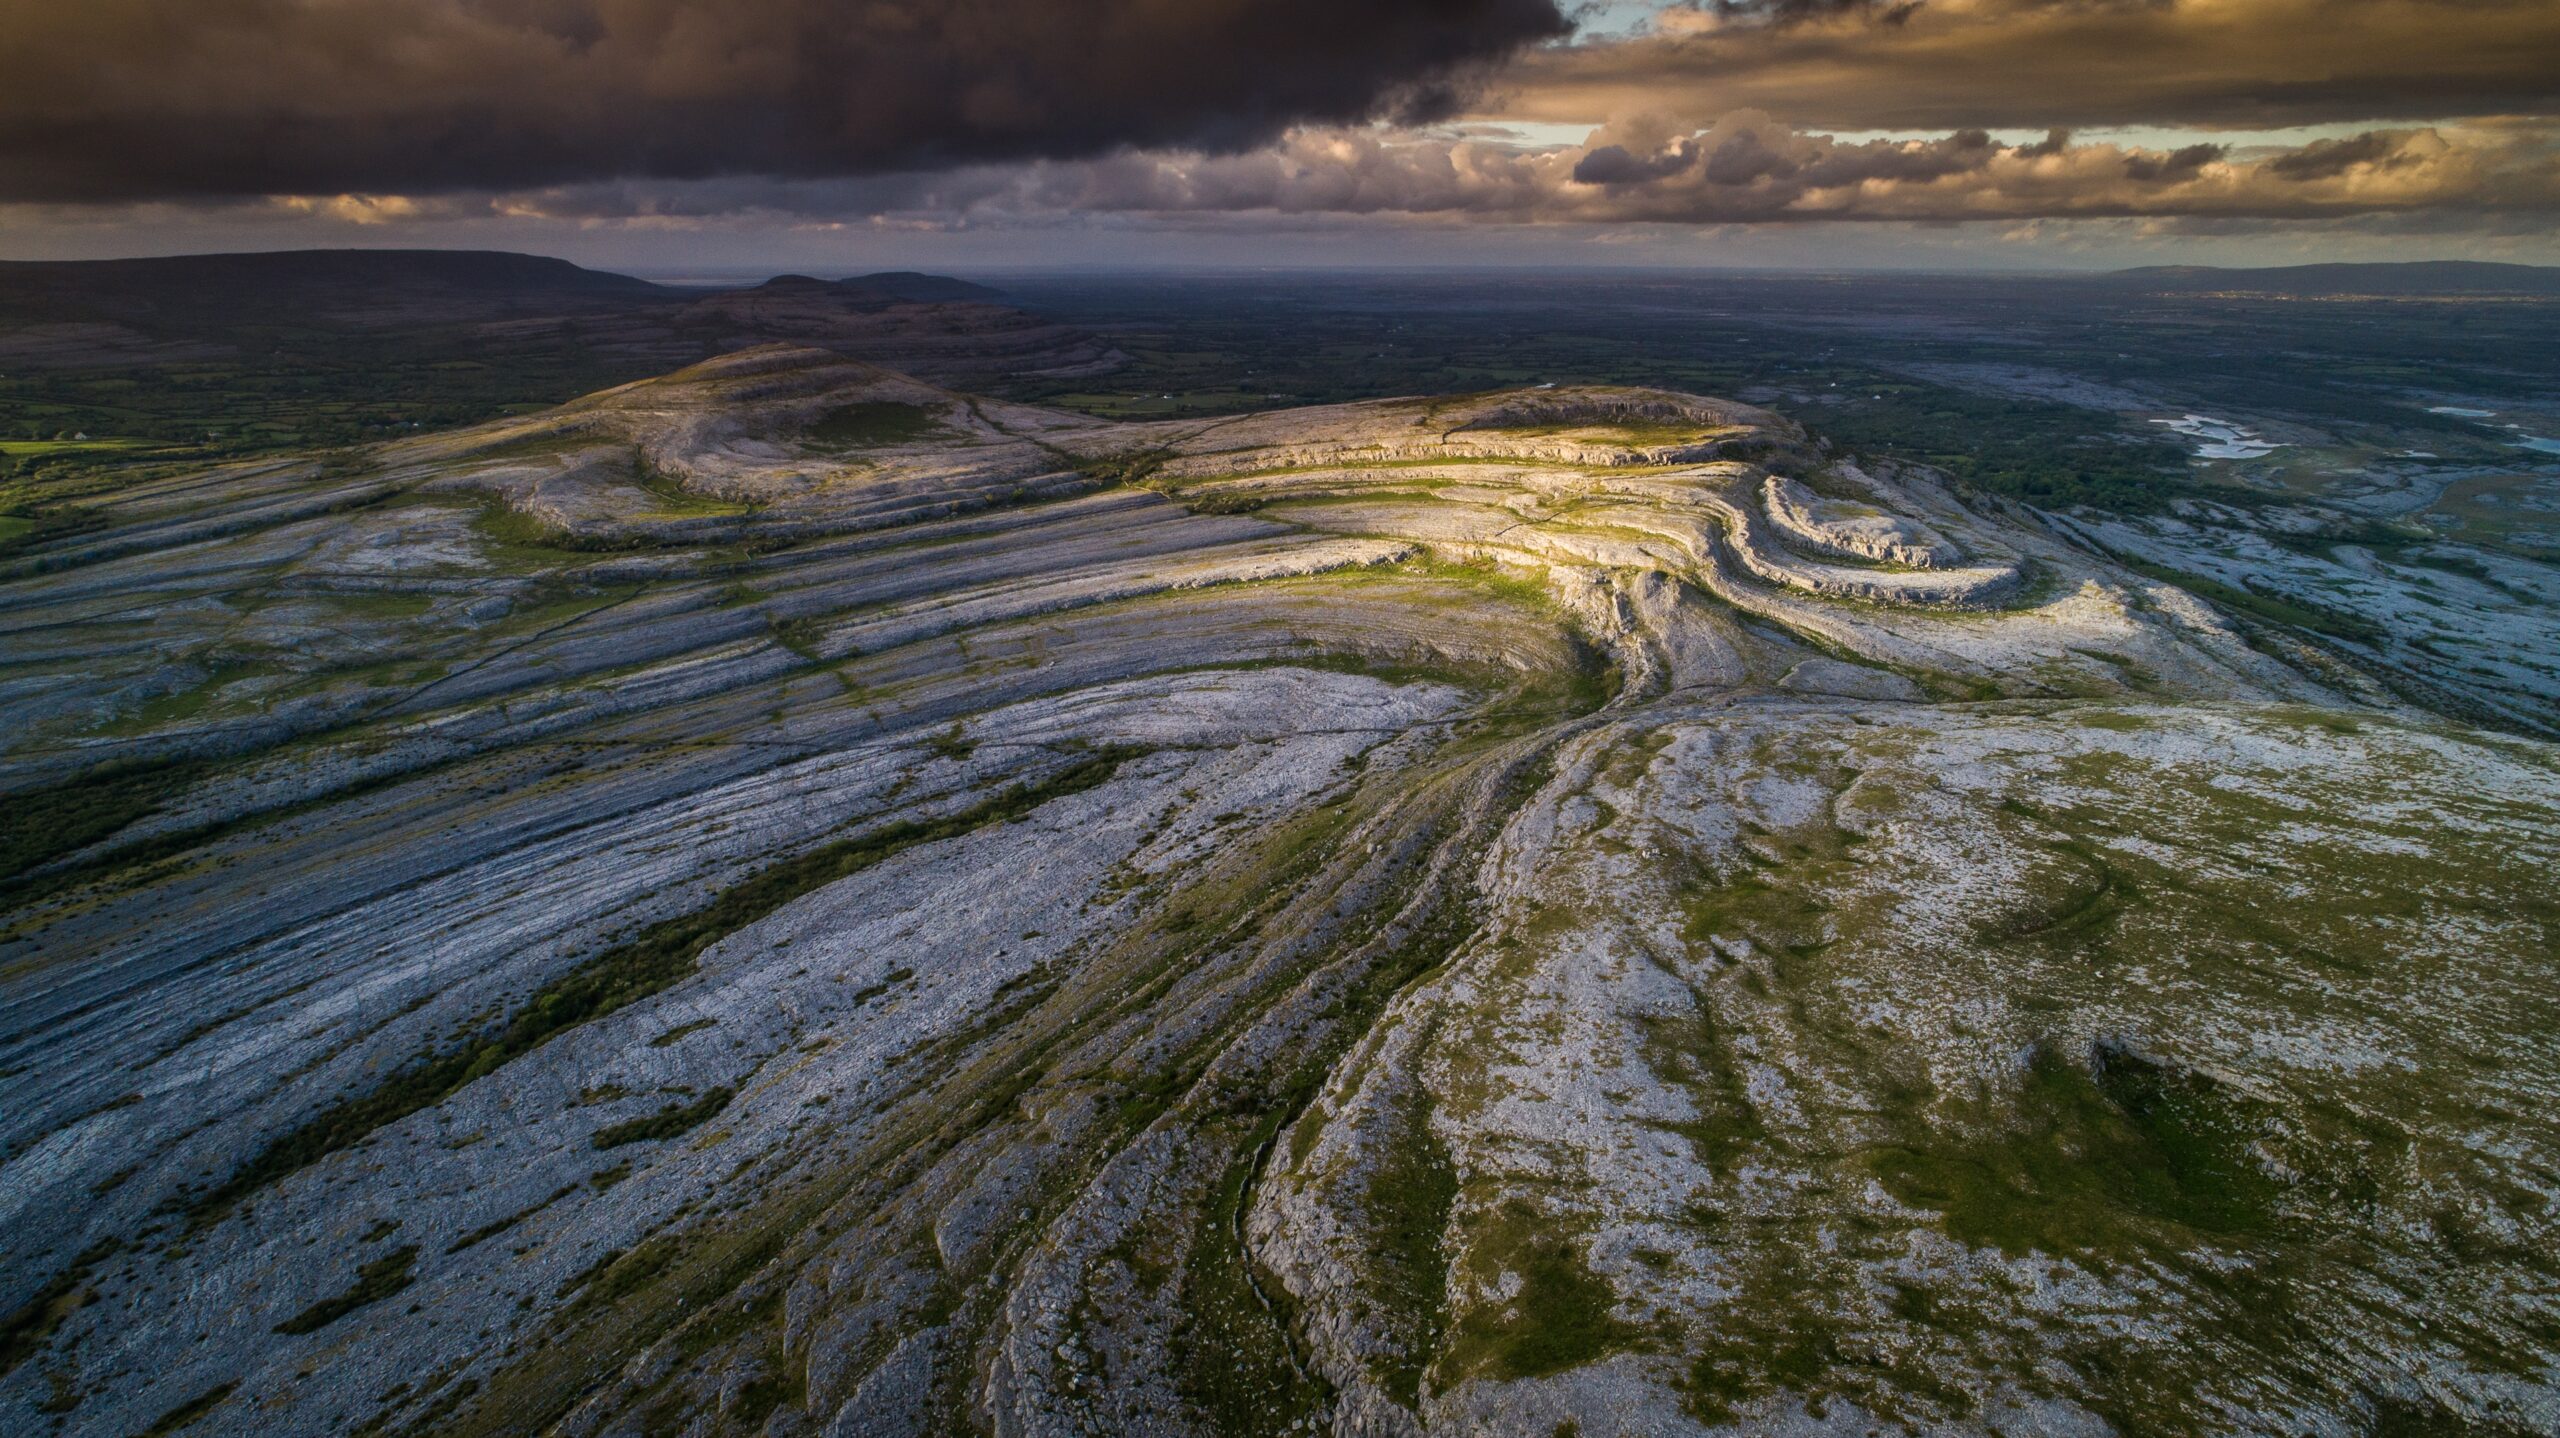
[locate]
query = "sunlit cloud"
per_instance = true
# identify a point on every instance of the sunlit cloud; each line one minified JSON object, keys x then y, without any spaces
{"x":1998,"y":64}
{"x":2034,"y":118}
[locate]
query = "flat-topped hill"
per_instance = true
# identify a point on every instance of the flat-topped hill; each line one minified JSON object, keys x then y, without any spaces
{"x":358,"y":286}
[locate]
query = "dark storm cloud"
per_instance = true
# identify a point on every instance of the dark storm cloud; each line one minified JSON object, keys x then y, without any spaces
{"x":129,"y":99}
{"x":2183,"y":163}
{"x":1744,"y":157}
{"x":1747,"y":168}
{"x":1615,"y":165}
{"x":2323,"y":158}
{"x":1796,"y":12}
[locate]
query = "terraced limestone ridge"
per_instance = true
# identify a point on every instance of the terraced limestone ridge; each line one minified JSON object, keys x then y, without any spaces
{"x":786,"y":900}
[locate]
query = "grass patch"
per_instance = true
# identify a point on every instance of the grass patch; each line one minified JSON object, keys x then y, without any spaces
{"x":383,"y":604}
{"x":36,"y":448}
{"x":669,"y":1122}
{"x":951,"y":744}
{"x":1561,"y":1319}
{"x":517,"y":537}
{"x":677,"y":502}
{"x":1796,"y":1354}
{"x":23,"y":525}
{"x":676,"y":1034}
{"x":375,"y":1281}
{"x":28,"y":1327}
{"x":872,"y":424}
{"x":1234,"y":1350}
{"x":2094,"y":1159}
{"x":1134,"y":467}
{"x":509,"y":528}
{"x":2067,"y":888}
{"x":888,"y":981}
{"x":1410,"y":1194}
{"x":186,"y":1414}
{"x":800,"y":636}
{"x":1690,"y":1050}
{"x":489,"y":1231}
{"x":41,"y":826}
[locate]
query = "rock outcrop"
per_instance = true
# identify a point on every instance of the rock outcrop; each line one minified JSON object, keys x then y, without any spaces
{"x":1853,"y":529}
{"x":789,"y":900}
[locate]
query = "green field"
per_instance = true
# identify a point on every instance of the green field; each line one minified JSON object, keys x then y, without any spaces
{"x":40,"y":448}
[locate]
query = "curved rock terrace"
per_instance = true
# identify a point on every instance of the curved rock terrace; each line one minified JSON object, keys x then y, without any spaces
{"x":787,"y":900}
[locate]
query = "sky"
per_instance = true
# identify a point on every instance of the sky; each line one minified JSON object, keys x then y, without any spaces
{"x":716,"y":138}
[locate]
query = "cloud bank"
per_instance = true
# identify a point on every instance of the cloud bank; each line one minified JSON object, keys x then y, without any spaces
{"x":1189,"y":115}
{"x":1746,"y":168}
{"x":2029,"y":64}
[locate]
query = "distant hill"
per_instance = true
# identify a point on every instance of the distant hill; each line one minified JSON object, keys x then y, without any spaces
{"x":108,"y":314}
{"x":333,"y":346}
{"x":924,"y":289}
{"x":364,"y":288}
{"x":2415,"y":277}
{"x":903,"y":287}
{"x":197,"y":297}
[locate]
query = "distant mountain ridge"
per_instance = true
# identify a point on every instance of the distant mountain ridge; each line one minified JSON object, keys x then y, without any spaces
{"x":379,"y":284}
{"x":358,"y":286}
{"x":483,"y":269}
{"x":190,"y":309}
{"x":917,"y":288}
{"x":484,"y":273}
{"x":2410,"y":277}
{"x":341,"y":346}
{"x":898,"y":287}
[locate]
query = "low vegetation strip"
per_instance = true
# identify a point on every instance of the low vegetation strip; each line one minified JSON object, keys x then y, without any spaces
{"x":40,"y":826}
{"x":375,"y":1281}
{"x":873,"y":424}
{"x":662,"y":955}
{"x":668,"y":1122}
{"x":186,"y":1414}
{"x":27,"y":1328}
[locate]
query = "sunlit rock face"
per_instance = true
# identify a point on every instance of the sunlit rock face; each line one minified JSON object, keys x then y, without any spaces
{"x":1851,"y":527}
{"x":787,"y":900}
